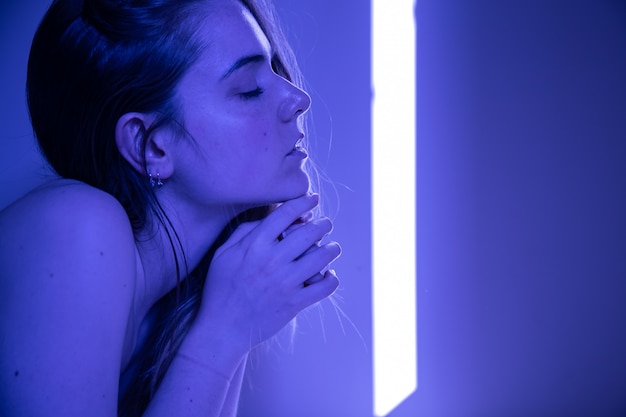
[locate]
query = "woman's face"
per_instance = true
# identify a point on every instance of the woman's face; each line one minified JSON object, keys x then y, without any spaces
{"x":243,"y":118}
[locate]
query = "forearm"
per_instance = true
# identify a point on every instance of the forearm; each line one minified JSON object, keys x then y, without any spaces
{"x":231,"y":403}
{"x":203,"y":380}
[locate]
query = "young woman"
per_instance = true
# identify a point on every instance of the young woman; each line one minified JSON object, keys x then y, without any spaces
{"x":180,"y":232}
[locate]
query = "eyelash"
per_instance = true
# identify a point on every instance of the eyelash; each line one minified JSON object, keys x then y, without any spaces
{"x":257,"y":92}
{"x":248,"y":95}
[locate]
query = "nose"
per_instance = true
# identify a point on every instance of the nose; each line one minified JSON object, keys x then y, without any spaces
{"x":296,"y":103}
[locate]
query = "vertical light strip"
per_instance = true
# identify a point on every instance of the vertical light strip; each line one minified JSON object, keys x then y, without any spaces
{"x":393,"y":203}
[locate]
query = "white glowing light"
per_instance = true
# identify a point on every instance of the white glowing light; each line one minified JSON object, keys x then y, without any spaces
{"x":393,"y":203}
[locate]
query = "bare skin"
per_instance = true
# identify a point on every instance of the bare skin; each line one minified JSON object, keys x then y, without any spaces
{"x":75,"y":300}
{"x":78,"y":284}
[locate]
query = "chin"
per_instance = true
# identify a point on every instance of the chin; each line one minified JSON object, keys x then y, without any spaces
{"x":275,"y":192}
{"x":299,"y":188}
{"x":280,"y":196}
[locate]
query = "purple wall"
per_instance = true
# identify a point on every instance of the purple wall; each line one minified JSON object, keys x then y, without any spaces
{"x":20,"y":165}
{"x":521,"y":199}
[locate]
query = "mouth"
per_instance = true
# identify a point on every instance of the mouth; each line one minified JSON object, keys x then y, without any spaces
{"x":298,"y":150}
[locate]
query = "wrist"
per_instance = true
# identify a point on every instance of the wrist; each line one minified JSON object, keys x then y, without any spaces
{"x":214,"y":348}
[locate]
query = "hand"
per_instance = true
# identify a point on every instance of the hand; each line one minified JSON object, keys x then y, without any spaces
{"x":268,"y":271}
{"x":295,"y":226}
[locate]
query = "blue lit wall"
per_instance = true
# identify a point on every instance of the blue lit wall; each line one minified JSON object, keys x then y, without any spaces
{"x":20,"y":166}
{"x":521,"y":206}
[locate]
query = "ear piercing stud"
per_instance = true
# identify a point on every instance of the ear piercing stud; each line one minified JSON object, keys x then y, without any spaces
{"x":158,"y":181}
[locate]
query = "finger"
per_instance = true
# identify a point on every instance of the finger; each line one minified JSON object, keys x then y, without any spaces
{"x":304,"y":238}
{"x":294,"y":226}
{"x":315,"y":278}
{"x":307,"y":217}
{"x":314,"y":262}
{"x":319,"y":290}
{"x":283,"y":216}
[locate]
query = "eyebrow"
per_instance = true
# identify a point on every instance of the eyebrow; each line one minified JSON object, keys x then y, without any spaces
{"x":242,"y":62}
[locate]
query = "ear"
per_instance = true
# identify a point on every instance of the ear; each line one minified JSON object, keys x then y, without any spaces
{"x":130,"y":134}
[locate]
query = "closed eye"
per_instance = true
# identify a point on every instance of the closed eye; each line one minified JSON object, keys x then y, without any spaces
{"x":247,"y":95}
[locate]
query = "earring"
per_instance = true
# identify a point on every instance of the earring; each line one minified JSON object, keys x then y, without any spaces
{"x":158,"y":181}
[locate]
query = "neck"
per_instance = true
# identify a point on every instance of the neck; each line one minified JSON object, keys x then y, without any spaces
{"x":186,"y":241}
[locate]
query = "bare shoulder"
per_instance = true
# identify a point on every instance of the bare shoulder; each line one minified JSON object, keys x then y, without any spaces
{"x":58,"y":200}
{"x":67,"y":269}
{"x":62,"y":225}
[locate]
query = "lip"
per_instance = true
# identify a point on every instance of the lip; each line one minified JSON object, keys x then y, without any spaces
{"x":298,"y":150}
